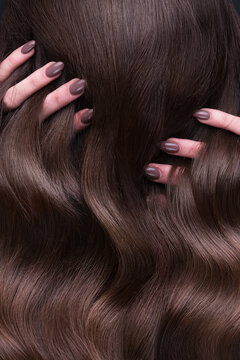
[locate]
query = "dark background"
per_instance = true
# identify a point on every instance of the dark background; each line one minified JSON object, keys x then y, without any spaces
{"x":3,"y":2}
{"x":237,"y":4}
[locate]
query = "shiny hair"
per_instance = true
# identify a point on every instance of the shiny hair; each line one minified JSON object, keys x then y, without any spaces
{"x":92,"y":264}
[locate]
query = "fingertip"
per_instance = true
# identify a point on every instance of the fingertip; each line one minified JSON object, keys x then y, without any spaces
{"x":152,"y":173}
{"x":28,"y":48}
{"x":86,"y":117}
{"x":78,"y":126}
{"x":83,"y":119}
{"x":202,"y":114}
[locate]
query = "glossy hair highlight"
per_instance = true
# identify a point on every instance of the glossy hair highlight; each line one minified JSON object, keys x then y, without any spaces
{"x":92,"y":264}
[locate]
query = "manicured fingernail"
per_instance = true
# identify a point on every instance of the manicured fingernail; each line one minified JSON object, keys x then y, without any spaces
{"x":77,"y":87}
{"x":28,"y":47}
{"x":152,"y":173}
{"x":170,"y":147}
{"x":54,"y":69}
{"x":202,"y":115}
{"x":86,"y":118}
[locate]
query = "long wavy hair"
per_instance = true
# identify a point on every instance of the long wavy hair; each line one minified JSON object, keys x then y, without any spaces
{"x":92,"y":265}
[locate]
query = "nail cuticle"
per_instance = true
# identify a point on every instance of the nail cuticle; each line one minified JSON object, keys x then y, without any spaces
{"x":170,"y":147}
{"x":202,"y":115}
{"x":54,"y":69}
{"x":86,"y":118}
{"x":28,"y":47}
{"x":152,"y":173}
{"x":78,"y":87}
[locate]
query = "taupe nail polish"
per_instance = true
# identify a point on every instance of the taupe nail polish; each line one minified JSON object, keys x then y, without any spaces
{"x":86,"y":118}
{"x":152,"y":173}
{"x":170,"y":147}
{"x":202,"y":115}
{"x":78,"y":87}
{"x":28,"y":47}
{"x":54,"y":69}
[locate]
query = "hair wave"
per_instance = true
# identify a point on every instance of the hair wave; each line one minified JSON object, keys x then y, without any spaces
{"x":92,"y":265}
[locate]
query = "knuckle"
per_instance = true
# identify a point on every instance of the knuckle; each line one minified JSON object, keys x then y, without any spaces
{"x":34,"y":80}
{"x":190,"y":151}
{"x":231,"y":119}
{"x":11,"y":61}
{"x":197,"y":148}
{"x":223,"y":119}
{"x":57,"y":98}
{"x":8,"y":100}
{"x":6,"y":68}
{"x":46,"y":102}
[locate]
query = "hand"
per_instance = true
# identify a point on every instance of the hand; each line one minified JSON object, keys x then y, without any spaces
{"x":54,"y":101}
{"x":188,"y":148}
{"x":62,"y":96}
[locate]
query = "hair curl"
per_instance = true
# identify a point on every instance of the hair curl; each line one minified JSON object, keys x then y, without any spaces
{"x":89,"y":268}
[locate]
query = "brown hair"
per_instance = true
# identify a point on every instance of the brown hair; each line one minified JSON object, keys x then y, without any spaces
{"x":91,"y":269}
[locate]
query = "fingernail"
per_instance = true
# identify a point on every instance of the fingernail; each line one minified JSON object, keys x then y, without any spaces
{"x":152,"y":173}
{"x":86,"y":118}
{"x":28,"y":47}
{"x":77,"y":87}
{"x":170,"y":147}
{"x":54,"y":69}
{"x":202,"y":115}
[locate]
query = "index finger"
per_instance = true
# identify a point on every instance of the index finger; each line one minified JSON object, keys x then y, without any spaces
{"x":219,"y":119}
{"x":15,"y":59}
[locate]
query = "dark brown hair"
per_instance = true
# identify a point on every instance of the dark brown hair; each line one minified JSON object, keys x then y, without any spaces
{"x":92,"y":265}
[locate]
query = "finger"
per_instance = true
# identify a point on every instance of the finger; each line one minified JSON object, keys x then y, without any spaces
{"x":18,"y":93}
{"x":219,"y":119}
{"x":62,"y":96}
{"x":182,"y":147}
{"x":15,"y":59}
{"x":160,"y":172}
{"x":82,"y":119}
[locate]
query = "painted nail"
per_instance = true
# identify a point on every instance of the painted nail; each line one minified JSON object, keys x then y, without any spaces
{"x":86,"y":118}
{"x":54,"y":69}
{"x":152,"y":173}
{"x":170,"y":147}
{"x":77,"y":87}
{"x":202,"y":115}
{"x":28,"y":47}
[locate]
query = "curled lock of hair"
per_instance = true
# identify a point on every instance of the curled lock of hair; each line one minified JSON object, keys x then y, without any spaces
{"x":92,"y":265}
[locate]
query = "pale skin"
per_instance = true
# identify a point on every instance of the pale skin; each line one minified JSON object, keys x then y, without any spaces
{"x":61,"y":97}
{"x":18,"y":93}
{"x":190,"y":148}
